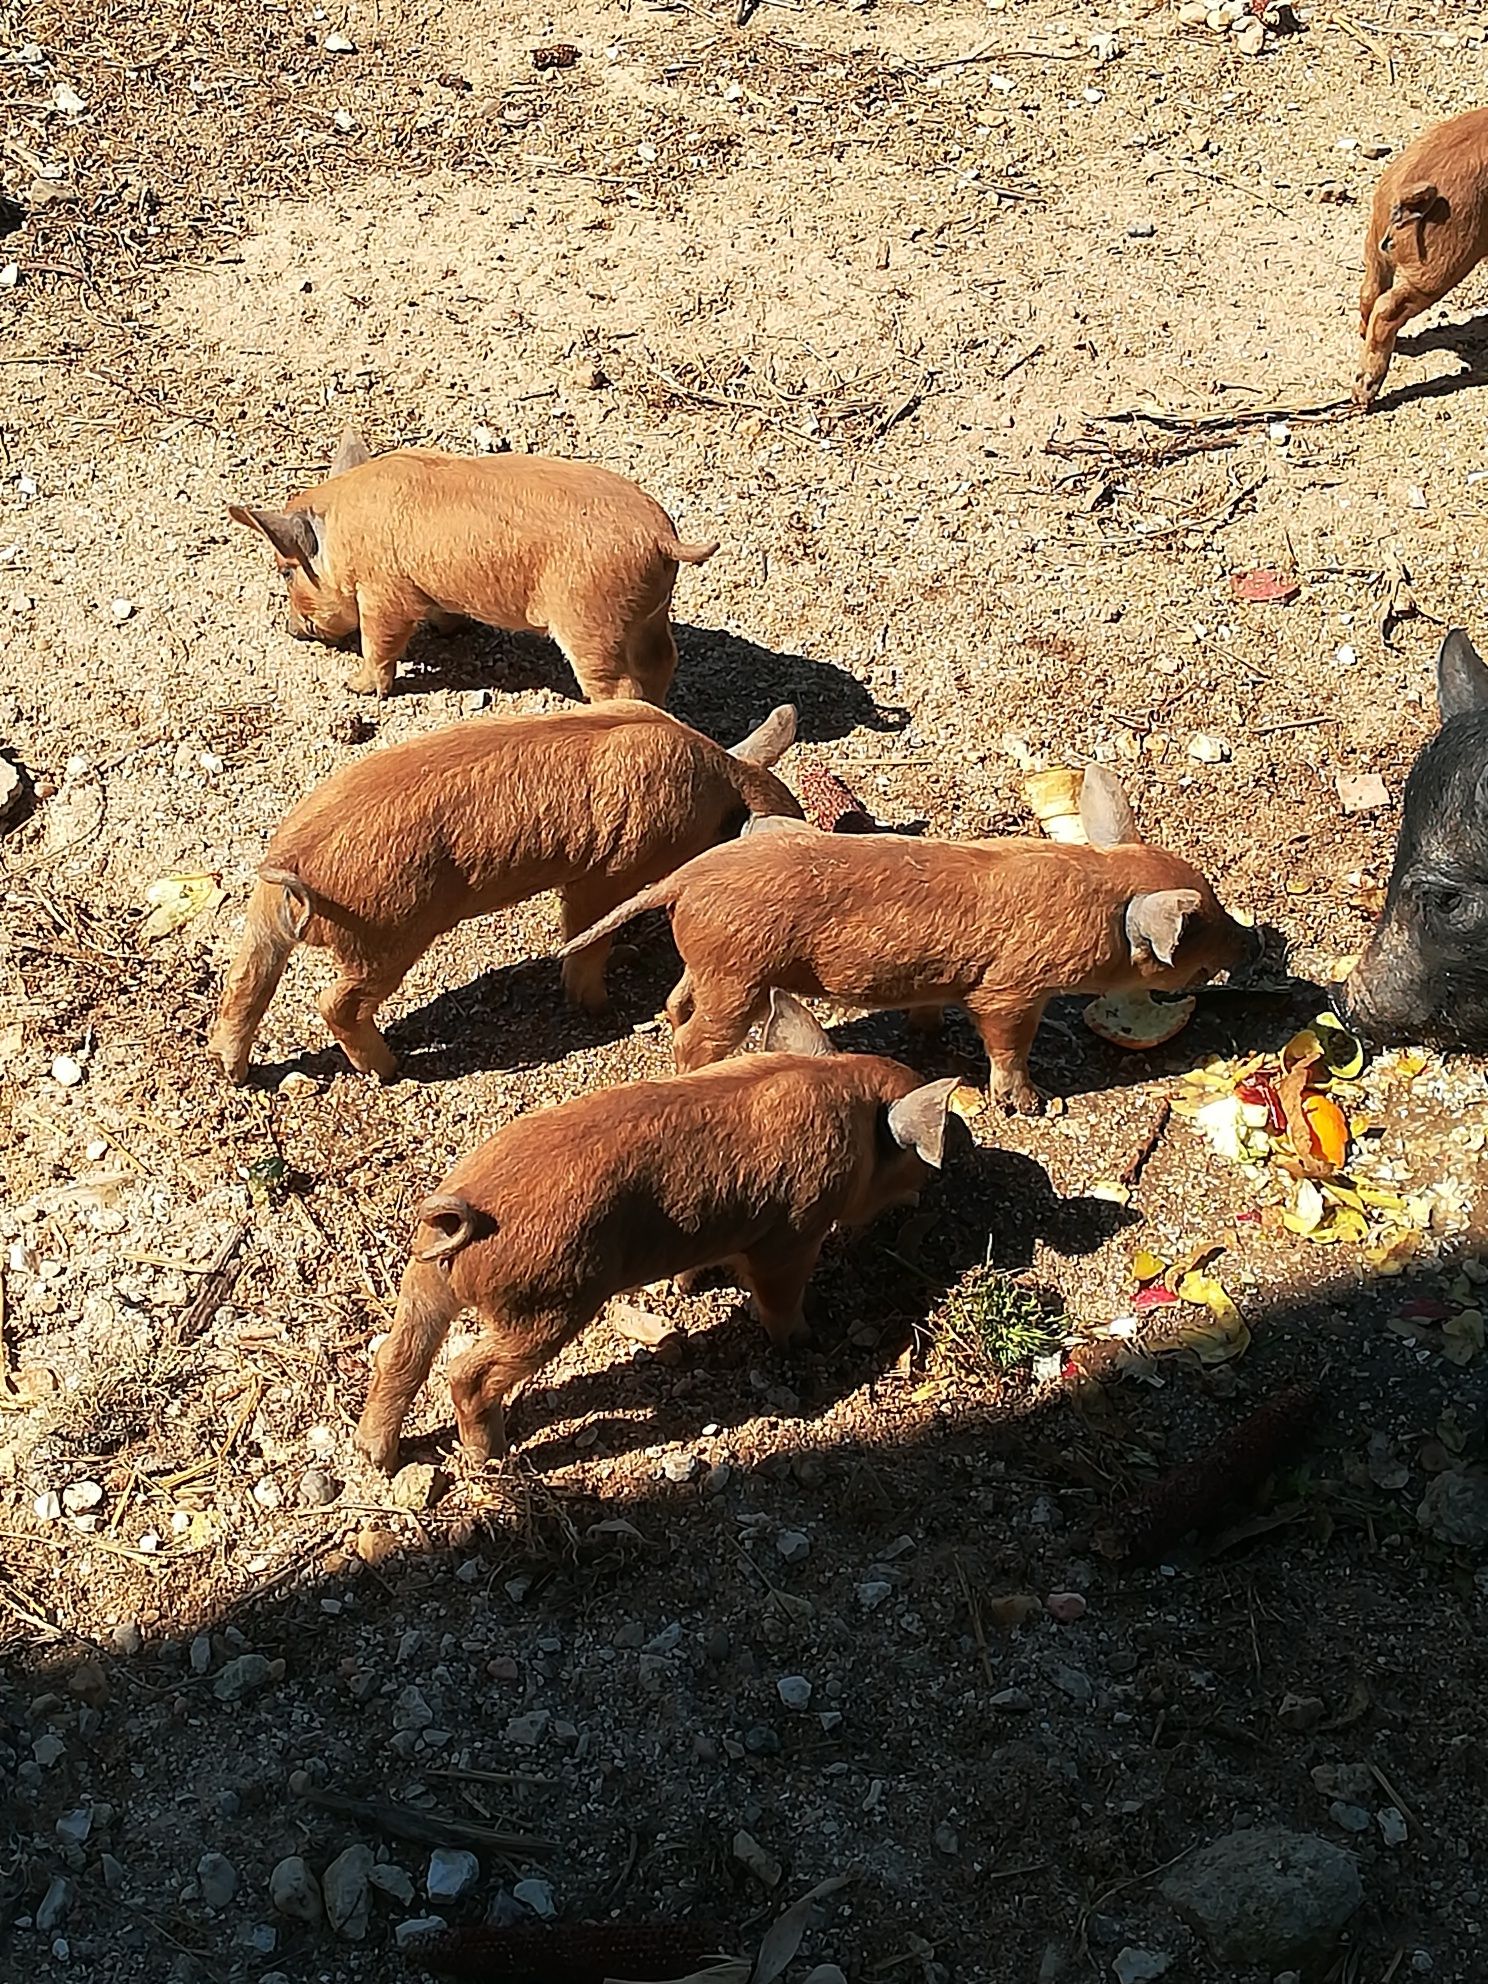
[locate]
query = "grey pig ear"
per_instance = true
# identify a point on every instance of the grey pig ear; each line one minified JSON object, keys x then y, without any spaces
{"x":1154,"y":923}
{"x":351,"y":452}
{"x":1105,"y":810}
{"x":917,"y":1121}
{"x":772,"y":740}
{"x":291,"y":532}
{"x":790,"y":1029}
{"x":1461,"y":678}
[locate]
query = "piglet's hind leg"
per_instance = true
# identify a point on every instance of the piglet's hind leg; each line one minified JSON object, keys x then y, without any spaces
{"x":427,"y":1305}
{"x":482,"y":1380}
{"x":778,"y":1284}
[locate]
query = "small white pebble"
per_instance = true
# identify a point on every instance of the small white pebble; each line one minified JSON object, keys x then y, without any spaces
{"x":67,"y":1072}
{"x":149,"y":1543}
{"x":123,"y":609}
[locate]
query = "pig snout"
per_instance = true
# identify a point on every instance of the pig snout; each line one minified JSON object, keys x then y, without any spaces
{"x":1424,"y":975}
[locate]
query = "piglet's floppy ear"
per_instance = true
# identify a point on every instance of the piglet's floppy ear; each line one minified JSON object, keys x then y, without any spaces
{"x":772,"y":740}
{"x":1155,"y":922}
{"x":790,"y":1029}
{"x":1105,"y":810}
{"x":291,"y":532}
{"x":351,"y":452}
{"x":1461,"y":678}
{"x":917,"y":1121}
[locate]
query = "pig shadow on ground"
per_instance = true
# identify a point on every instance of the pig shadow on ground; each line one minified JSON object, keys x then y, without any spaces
{"x":1069,"y":1060}
{"x":990,"y":1206}
{"x":1465,"y":341}
{"x":512,"y":1016}
{"x":724,"y":684}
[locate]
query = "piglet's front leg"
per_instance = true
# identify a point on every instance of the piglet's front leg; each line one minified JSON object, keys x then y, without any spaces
{"x":386,"y":627}
{"x":1007,"y":1034}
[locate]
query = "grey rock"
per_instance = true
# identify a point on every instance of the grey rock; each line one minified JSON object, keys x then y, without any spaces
{"x":452,"y":1873}
{"x":411,"y":1711}
{"x":794,"y":1545}
{"x":48,"y":1750}
{"x":317,"y":1488}
{"x":1070,"y":1681}
{"x":528,"y":1730}
{"x":1266,"y":1897}
{"x":1141,"y":230}
{"x":1393,"y":1829}
{"x":346,"y":1887}
{"x":1134,"y":1966}
{"x":112,"y":1871}
{"x":294,"y":1890}
{"x":794,"y":1690}
{"x":247,"y":1675}
{"x":416,"y":1927}
{"x":872,"y":1593}
{"x":1012,"y":1701}
{"x":55,"y":1904}
{"x":538,"y":1896}
{"x":826,"y":1973}
{"x":1299,"y":1712}
{"x":261,"y":1938}
{"x":390,"y":1879}
{"x":73,"y":1827}
{"x":13,"y":790}
{"x":1352,"y":1818}
{"x":201,"y":1654}
{"x":1455,"y":1509}
{"x":217,"y":1878}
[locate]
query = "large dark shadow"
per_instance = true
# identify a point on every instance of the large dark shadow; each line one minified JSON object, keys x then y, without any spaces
{"x":1315,"y":1651}
{"x":1467,"y":342}
{"x":724,"y":684}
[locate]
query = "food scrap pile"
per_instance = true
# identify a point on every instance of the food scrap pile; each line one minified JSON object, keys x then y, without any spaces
{"x":1300,"y":1119}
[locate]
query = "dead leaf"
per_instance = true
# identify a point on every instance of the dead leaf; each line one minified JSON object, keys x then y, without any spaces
{"x":1359,"y":1704}
{"x":1227,"y":1336}
{"x":1264,"y":586}
{"x":175,"y":900}
{"x":1012,"y":1610}
{"x":777,"y":1950}
{"x":1462,"y":1336}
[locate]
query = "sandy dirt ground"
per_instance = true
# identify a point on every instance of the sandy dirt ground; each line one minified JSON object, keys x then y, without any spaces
{"x":990,"y":341}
